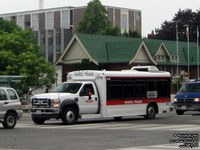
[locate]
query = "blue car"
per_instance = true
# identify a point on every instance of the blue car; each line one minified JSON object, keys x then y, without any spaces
{"x":188,"y":98}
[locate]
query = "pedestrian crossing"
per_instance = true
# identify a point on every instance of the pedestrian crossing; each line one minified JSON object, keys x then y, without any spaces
{"x":115,"y":126}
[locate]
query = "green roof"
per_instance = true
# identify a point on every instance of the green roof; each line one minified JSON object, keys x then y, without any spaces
{"x":153,"y":45}
{"x":107,"y":49}
{"x":116,"y":49}
{"x":183,"y":51}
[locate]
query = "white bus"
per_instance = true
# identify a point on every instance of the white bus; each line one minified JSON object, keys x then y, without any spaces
{"x":99,"y":94}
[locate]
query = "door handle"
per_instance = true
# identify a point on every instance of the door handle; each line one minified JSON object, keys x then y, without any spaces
{"x":95,"y":98}
{"x":6,"y":103}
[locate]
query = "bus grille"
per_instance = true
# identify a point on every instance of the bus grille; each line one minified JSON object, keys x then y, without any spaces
{"x":41,"y":103}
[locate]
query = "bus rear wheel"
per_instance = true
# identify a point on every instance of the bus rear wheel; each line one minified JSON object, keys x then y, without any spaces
{"x":151,"y":112}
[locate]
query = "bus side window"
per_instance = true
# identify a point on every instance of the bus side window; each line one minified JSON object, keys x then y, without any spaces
{"x":114,"y":90}
{"x":128,"y":88}
{"x":140,"y":89}
{"x":163,"y":88}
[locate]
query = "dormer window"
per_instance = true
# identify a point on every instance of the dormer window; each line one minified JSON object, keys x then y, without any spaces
{"x":161,"y":58}
{"x":174,"y":58}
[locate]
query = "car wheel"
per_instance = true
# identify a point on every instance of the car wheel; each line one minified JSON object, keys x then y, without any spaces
{"x":10,"y":120}
{"x":38,"y":120}
{"x":179,"y":112}
{"x":69,"y":116}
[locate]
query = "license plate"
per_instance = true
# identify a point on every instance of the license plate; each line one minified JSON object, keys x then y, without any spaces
{"x":38,"y":112}
{"x":183,"y":108}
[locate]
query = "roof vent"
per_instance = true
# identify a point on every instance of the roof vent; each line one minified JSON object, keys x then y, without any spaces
{"x":146,"y":68}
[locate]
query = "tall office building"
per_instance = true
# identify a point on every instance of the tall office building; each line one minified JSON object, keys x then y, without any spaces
{"x":55,"y":27}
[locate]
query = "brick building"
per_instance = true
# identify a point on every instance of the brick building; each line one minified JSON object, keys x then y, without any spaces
{"x":55,"y":27}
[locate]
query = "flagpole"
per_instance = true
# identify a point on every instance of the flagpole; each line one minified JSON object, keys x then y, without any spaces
{"x":177,"y":52}
{"x":197,"y":52}
{"x":188,"y":38}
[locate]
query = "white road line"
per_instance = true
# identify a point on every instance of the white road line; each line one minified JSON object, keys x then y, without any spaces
{"x":153,"y":147}
{"x":116,"y":126}
{"x":133,"y":127}
{"x":88,"y":126}
{"x":167,"y":127}
{"x":188,"y":128}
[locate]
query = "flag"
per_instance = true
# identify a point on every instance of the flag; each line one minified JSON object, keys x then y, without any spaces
{"x":187,"y":31}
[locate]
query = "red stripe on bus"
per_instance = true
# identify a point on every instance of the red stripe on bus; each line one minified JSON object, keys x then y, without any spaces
{"x":131,"y":102}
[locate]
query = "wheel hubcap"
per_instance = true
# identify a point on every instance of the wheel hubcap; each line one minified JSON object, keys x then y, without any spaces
{"x":70,"y":116}
{"x":151,"y":111}
{"x":10,"y":120}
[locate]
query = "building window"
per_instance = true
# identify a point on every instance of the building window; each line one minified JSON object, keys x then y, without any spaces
{"x":20,"y":21}
{"x":36,"y":36}
{"x":50,"y":21}
{"x":124,"y":21}
{"x":174,"y":58}
{"x":161,"y":58}
{"x":35,"y":22}
{"x":50,"y":45}
{"x":28,"y":23}
{"x":65,"y":19}
{"x":7,"y":18}
{"x":43,"y":42}
{"x":58,"y":43}
{"x":13,"y":18}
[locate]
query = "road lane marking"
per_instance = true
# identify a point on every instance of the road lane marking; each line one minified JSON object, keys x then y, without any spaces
{"x":116,"y":126}
{"x":153,"y":147}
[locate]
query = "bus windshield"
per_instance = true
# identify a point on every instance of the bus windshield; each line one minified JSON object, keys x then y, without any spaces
{"x":68,"y":88}
{"x":192,"y":87}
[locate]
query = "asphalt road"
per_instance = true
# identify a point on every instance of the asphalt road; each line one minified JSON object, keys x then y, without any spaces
{"x":134,"y":133}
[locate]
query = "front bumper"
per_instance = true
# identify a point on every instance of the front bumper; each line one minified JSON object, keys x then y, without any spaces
{"x":46,"y":113}
{"x":191,"y":107}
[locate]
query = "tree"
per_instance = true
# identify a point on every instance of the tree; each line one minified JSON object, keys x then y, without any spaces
{"x":167,"y":31}
{"x":19,"y":55}
{"x":95,"y":20}
{"x":131,"y":33}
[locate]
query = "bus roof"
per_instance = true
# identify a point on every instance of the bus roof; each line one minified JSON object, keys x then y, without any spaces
{"x":92,"y":74}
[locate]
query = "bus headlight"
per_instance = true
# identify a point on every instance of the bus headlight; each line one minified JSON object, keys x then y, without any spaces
{"x":197,"y":99}
{"x":175,"y":99}
{"x":56,"y":103}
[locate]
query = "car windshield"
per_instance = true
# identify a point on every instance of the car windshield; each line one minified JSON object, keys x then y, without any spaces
{"x":191,"y":87}
{"x":68,"y":88}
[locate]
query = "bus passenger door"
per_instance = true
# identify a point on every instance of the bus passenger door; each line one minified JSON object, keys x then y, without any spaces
{"x":88,"y":100}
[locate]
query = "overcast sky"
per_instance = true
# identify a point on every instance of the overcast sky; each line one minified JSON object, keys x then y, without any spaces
{"x":154,"y":12}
